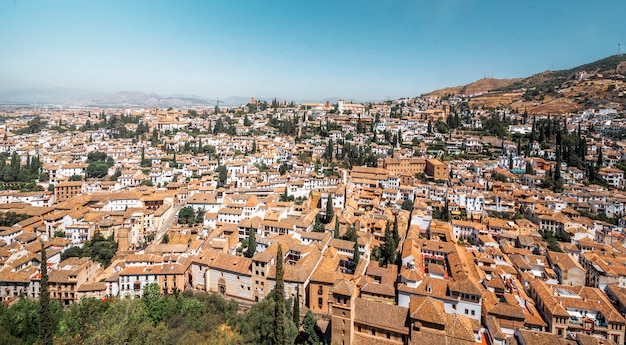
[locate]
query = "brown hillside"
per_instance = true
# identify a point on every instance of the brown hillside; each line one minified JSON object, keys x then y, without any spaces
{"x":495,"y":100}
{"x":557,"y":106}
{"x":479,"y":86}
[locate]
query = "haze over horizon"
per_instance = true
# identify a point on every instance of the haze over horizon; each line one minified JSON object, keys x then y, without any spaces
{"x":295,"y":50}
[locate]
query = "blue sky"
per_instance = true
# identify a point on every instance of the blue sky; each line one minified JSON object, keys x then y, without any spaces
{"x":360,"y":50}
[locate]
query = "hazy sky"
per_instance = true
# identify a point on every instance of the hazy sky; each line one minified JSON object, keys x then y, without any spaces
{"x":296,"y":49}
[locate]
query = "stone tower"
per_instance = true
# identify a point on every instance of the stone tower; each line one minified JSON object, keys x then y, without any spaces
{"x":344,"y":293}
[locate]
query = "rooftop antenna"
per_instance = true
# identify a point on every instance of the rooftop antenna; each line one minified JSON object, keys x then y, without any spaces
{"x":619,"y":49}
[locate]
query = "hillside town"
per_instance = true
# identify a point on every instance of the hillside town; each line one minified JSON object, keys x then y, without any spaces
{"x":427,"y":220}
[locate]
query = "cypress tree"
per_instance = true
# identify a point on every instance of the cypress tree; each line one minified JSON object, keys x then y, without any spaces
{"x":296,"y":307}
{"x":330,"y":211}
{"x":557,"y":170}
{"x":529,"y":168}
{"x":336,"y":232}
{"x":45,"y":318}
{"x":279,"y":299}
{"x":357,"y":254}
{"x":251,"y":243}
{"x":396,"y":236}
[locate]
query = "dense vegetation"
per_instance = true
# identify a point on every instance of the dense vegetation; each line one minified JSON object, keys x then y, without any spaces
{"x":185,"y":318}
{"x":12,"y":218}
{"x":99,"y":164}
{"x":116,"y":125}
{"x":99,"y":249}
{"x":17,"y":176}
{"x":188,"y":216}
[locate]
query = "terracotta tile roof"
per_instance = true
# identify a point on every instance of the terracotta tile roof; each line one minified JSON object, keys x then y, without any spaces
{"x":344,"y":287}
{"x":427,"y":309}
{"x":459,"y":327}
{"x":381,"y":315}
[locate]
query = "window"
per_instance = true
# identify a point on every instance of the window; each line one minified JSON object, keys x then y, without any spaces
{"x":473,"y":312}
{"x":466,"y":311}
{"x":388,"y":335}
{"x":319,"y":302}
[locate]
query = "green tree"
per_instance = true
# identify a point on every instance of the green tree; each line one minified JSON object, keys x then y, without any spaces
{"x":200,"y":216}
{"x":396,"y":236}
{"x":284,"y":168}
{"x":165,"y":239}
{"x":71,"y":252}
{"x":407,"y":205}
{"x":279,"y":300}
{"x":284,"y":197}
{"x":11,"y":218}
{"x":350,"y":234}
{"x":296,"y":307}
{"x":75,"y":178}
{"x":251,"y":243}
{"x":388,"y":251}
{"x":20,"y":323}
{"x":96,"y":156}
{"x":357,"y":254}
{"x":45,"y":317}
{"x":186,"y":215}
{"x":154,"y":304}
{"x":328,"y":152}
{"x":78,"y":319}
{"x":97,"y":169}
{"x":222,"y":175}
{"x":44,"y":177}
{"x":100,"y":249}
{"x":330,"y":211}
{"x":311,"y":331}
{"x":336,"y":231}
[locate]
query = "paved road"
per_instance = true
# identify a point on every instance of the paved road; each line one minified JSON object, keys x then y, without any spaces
{"x":167,"y":224}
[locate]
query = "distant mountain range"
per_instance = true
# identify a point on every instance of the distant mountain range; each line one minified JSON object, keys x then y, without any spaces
{"x":69,"y":96}
{"x":80,"y":97}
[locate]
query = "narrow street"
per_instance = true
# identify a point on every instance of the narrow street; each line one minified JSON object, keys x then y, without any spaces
{"x":167,"y":224}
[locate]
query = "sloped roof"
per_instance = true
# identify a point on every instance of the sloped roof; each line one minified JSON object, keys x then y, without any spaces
{"x":344,"y":287}
{"x":427,"y":309}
